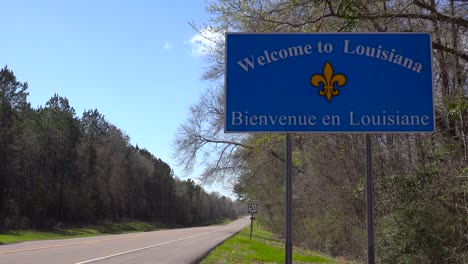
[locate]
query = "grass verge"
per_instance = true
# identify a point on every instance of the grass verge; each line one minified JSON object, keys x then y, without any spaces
{"x":105,"y":228}
{"x":14,"y":236}
{"x":263,"y":248}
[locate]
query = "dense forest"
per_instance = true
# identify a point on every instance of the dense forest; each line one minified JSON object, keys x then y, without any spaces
{"x":421,"y":180}
{"x":58,"y":168}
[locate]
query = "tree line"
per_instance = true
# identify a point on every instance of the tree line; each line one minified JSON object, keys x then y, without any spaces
{"x":56,"y":167}
{"x":421,"y":180}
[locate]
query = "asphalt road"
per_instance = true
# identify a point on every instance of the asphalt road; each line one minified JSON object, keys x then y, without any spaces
{"x":175,"y":246}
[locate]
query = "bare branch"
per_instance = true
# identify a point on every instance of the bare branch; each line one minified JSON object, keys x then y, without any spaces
{"x":459,"y":53}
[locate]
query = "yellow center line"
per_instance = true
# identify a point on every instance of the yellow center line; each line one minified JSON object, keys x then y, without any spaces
{"x":66,"y":245}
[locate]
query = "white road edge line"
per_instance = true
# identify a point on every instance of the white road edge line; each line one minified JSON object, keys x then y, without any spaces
{"x":152,"y":246}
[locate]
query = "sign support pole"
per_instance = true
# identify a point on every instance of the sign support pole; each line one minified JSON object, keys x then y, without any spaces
{"x":251,"y":224}
{"x":288,"y":200}
{"x":370,"y":202}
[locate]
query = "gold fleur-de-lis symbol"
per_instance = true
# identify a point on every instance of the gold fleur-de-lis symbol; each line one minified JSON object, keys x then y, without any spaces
{"x":328,"y":80}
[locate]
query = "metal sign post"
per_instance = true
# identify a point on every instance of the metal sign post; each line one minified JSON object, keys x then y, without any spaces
{"x":370,"y":202}
{"x":252,"y":210}
{"x":288,"y":201}
{"x":251,"y":224}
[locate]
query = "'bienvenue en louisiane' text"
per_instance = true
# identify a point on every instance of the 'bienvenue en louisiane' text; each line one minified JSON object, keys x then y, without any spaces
{"x":354,"y":119}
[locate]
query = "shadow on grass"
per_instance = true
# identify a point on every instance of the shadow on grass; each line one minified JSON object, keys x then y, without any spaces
{"x":117,"y":228}
{"x":75,"y":232}
{"x":11,"y":233}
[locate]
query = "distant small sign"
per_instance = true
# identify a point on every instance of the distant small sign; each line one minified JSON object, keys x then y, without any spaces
{"x":252,"y":208}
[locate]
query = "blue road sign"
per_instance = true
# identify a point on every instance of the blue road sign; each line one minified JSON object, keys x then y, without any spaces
{"x":340,"y":82}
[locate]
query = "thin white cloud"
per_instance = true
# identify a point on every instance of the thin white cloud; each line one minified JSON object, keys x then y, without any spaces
{"x":197,"y":181}
{"x":204,"y":41}
{"x":167,"y":45}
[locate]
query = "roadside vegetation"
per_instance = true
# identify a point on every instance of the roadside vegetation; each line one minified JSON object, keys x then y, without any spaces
{"x":421,"y":180}
{"x":60,"y":169}
{"x":264,"y":247}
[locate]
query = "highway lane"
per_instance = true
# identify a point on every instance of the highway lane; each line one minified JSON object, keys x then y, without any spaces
{"x":176,"y":246}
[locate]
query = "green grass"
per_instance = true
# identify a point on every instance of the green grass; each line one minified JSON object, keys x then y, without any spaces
{"x":14,"y":236}
{"x":263,"y":248}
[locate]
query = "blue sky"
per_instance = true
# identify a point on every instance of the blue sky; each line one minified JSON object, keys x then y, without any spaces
{"x":135,"y":61}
